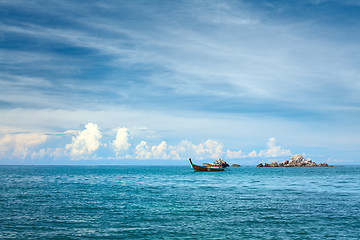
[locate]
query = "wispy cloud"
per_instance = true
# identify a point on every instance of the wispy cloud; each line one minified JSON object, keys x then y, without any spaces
{"x":206,"y":59}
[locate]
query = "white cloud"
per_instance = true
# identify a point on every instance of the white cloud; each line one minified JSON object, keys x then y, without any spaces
{"x":121,"y":141}
{"x":159,"y":151}
{"x":240,"y":154}
{"x":210,"y":149}
{"x":213,"y":148}
{"x":182,"y":150}
{"x":57,"y":153}
{"x":40,"y":154}
{"x":20,"y":145}
{"x":142,"y":151}
{"x":273,"y":150}
{"x":49,"y":153}
{"x":85,"y":143}
{"x":252,"y":154}
{"x":234,"y":154}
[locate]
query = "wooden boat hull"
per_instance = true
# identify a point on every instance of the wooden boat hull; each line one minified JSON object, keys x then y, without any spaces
{"x":205,"y":169}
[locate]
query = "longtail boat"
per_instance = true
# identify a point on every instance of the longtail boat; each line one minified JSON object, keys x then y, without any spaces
{"x":206,"y":168}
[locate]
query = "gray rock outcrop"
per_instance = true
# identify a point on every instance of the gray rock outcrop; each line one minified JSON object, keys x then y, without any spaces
{"x":295,"y":161}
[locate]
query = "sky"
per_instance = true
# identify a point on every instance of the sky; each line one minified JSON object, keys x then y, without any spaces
{"x":157,"y":82}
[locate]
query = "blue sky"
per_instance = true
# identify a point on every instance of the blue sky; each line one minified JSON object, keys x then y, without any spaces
{"x":156,"y":82}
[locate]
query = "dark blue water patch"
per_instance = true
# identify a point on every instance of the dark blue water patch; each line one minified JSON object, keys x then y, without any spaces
{"x":143,"y":202}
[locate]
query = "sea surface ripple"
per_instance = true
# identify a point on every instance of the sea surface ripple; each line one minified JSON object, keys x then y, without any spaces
{"x":174,"y":202}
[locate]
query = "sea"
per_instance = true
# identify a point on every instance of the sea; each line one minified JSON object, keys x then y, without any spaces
{"x":174,"y":202}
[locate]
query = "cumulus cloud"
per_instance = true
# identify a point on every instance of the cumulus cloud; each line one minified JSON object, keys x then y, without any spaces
{"x":159,"y":151}
{"x":20,"y":145}
{"x":121,"y":141}
{"x":85,"y":143}
{"x":57,"y":153}
{"x":142,"y":151}
{"x":252,"y":154}
{"x":273,"y":150}
{"x":209,"y":149}
{"x":183,"y":150}
{"x":240,"y":154}
{"x":234,"y":154}
{"x":40,"y":154}
{"x":48,"y":152}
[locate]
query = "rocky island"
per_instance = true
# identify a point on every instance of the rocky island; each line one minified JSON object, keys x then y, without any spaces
{"x":295,"y":161}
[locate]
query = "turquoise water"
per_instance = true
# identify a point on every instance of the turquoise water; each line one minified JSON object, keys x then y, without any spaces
{"x":153,"y":202}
